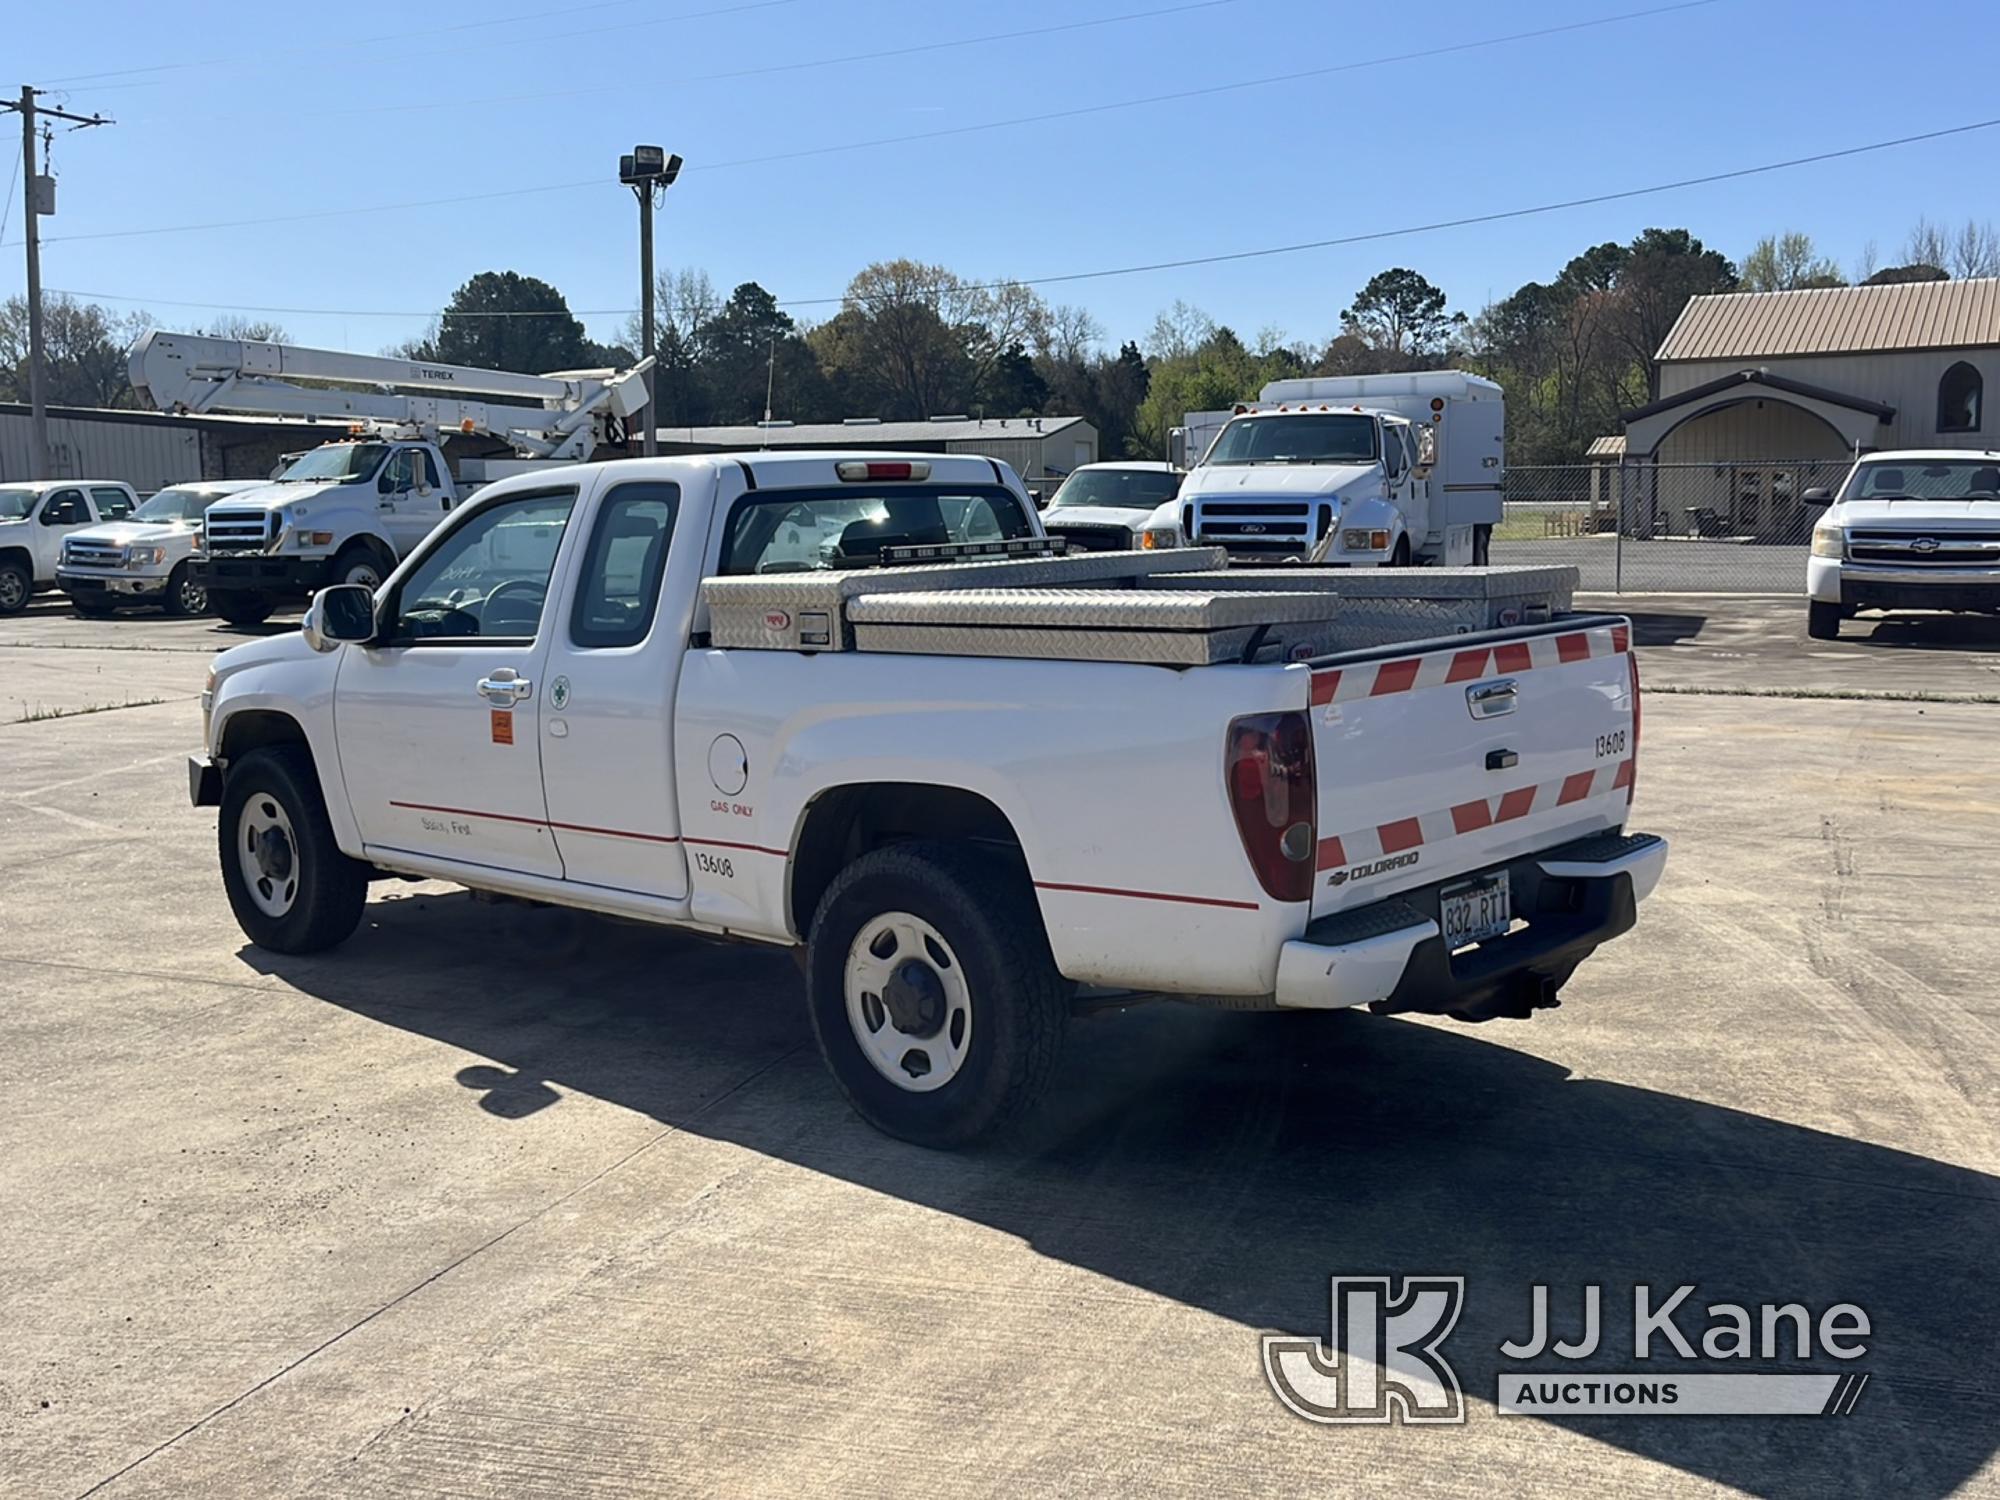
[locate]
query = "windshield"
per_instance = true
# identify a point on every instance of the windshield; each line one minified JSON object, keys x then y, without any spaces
{"x":174,"y":505}
{"x":1343,"y":438}
{"x":15,"y":504}
{"x":346,"y":462}
{"x":805,"y":531}
{"x":1123,"y":489}
{"x":1947,"y":479}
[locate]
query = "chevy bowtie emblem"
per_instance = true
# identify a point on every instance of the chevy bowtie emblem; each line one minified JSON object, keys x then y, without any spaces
{"x":1924,"y":544}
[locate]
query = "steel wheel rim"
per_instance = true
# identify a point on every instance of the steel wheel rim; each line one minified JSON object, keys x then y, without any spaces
{"x":268,"y":854}
{"x":11,"y":591}
{"x":907,"y":1002}
{"x":364,"y":574}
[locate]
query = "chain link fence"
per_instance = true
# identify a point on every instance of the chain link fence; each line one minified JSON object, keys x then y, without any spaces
{"x":1734,"y":528}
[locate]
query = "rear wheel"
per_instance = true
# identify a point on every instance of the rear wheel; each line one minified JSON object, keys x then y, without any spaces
{"x":291,"y":888}
{"x":16,"y":584}
{"x":185,"y":594}
{"x":1822,"y":620}
{"x":1482,"y":546}
{"x":932,"y":992}
{"x":241,"y":607}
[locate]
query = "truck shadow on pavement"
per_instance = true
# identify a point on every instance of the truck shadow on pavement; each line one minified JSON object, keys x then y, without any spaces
{"x":1234,"y":1162}
{"x":1925,"y":632}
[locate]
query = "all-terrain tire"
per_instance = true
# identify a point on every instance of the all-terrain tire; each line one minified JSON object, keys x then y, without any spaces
{"x":327,"y":890}
{"x":981,"y":904}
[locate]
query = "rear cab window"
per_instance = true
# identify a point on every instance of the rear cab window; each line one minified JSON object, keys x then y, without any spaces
{"x":812,"y":530}
{"x":620,"y":592}
{"x":113,"y":504}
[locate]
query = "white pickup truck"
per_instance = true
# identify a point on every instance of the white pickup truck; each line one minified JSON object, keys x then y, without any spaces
{"x":147,"y":557}
{"x":37,"y":517}
{"x":1909,"y":530}
{"x":966,"y":782}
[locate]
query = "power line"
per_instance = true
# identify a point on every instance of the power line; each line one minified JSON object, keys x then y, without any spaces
{"x":790,"y":67}
{"x":429,"y":33}
{"x":1219,"y":258}
{"x":951,"y":131}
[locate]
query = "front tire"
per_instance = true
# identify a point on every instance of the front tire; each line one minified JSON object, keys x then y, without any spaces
{"x":357,"y":563}
{"x":932,"y":992}
{"x":291,"y":888}
{"x":185,"y":596}
{"x":17,"y":585}
{"x":1400,"y":558}
{"x":1822,"y":620}
{"x":241,"y":607}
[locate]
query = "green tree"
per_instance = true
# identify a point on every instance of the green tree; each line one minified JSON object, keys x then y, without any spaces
{"x":84,"y":346}
{"x":1402,"y":313}
{"x":1788,"y":262}
{"x":502,"y":320}
{"x":1663,"y":268}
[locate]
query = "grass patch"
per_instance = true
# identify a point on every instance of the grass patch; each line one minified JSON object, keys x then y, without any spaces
{"x":1867,"y":695}
{"x":38,"y":715}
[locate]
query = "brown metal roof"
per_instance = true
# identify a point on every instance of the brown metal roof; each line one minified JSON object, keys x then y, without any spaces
{"x":1837,"y":320}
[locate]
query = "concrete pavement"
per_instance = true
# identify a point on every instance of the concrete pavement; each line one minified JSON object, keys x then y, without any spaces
{"x":502,"y":1202}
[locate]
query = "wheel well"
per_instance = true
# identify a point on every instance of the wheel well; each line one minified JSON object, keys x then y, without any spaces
{"x":19,"y":555}
{"x":384,"y":554}
{"x":259,"y":729}
{"x":846,"y":822}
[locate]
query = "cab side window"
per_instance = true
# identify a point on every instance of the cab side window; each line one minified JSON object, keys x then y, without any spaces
{"x":620,"y":591}
{"x":485,"y":580}
{"x":1392,"y":452}
{"x":112,"y":504}
{"x":65,"y":508}
{"x":401,"y":474}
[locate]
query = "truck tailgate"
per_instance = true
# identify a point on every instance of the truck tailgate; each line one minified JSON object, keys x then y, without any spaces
{"x":1451,"y":756}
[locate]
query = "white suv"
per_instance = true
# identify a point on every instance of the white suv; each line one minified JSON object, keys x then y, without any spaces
{"x":1917,"y":529}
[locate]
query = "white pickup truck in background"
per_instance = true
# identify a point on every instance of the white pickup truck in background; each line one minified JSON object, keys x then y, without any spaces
{"x":1113,"y":507}
{"x":1916,"y":529}
{"x":37,"y":517}
{"x":147,"y":557}
{"x":965,"y":778}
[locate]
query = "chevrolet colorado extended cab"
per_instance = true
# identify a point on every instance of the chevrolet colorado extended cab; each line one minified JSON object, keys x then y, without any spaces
{"x":852,"y":704}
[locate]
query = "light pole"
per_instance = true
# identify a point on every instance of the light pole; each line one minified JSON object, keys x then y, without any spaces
{"x":649,"y":171}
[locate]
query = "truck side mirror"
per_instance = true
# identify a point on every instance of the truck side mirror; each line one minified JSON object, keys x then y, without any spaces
{"x":1427,"y":451}
{"x":1819,"y":494}
{"x":342,"y":612}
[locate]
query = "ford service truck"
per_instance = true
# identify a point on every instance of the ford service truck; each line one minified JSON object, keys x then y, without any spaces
{"x":345,"y":512}
{"x":933,"y":759}
{"x":1350,"y":471}
{"x":1908,"y":530}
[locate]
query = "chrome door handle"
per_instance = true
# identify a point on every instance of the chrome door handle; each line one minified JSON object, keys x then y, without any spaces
{"x":504,"y":687}
{"x":1488,"y":700}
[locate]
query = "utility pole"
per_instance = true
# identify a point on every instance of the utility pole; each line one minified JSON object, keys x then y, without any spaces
{"x":38,"y":197}
{"x":649,"y":172}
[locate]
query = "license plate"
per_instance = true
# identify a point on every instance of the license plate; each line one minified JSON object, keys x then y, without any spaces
{"x":1476,"y":910}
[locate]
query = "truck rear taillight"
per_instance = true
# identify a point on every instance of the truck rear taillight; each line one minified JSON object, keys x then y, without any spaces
{"x":1275,"y":801}
{"x":855,"y":471}
{"x":1632,"y":775}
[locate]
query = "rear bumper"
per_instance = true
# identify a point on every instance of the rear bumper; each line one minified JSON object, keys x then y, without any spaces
{"x":255,"y":572}
{"x":100,"y":585}
{"x":1391,"y":956}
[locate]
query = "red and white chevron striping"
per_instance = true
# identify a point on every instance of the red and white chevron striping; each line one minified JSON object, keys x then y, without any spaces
{"x":1440,"y":668}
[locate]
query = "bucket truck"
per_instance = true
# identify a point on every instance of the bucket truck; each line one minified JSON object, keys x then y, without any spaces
{"x":348,"y":511}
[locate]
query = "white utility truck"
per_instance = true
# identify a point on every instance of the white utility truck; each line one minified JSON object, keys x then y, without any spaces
{"x":1349,"y":471}
{"x":935,"y":758}
{"x":345,"y":513}
{"x":146,"y":558}
{"x":1908,"y":530}
{"x":36,"y":518}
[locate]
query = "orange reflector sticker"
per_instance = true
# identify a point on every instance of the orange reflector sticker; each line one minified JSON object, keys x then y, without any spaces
{"x":503,"y":727}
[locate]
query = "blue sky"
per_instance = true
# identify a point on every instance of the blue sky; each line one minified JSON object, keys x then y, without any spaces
{"x":256,"y":110}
